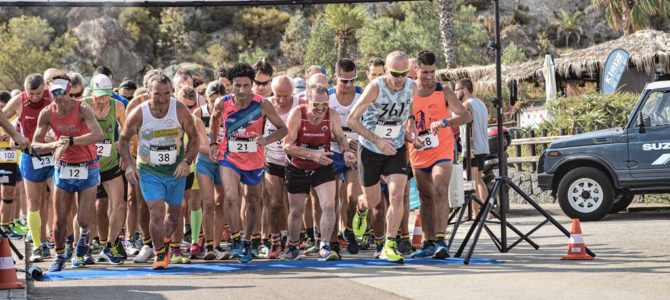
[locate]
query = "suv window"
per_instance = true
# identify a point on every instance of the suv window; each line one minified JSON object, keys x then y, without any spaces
{"x":656,"y":110}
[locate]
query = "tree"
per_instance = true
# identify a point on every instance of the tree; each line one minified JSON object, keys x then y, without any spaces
{"x":628,"y":16}
{"x":381,"y":36}
{"x":28,"y":45}
{"x":469,"y":35}
{"x":173,"y":28}
{"x":252,"y":56}
{"x":321,"y":48}
{"x":512,"y":54}
{"x":346,"y":20}
{"x":569,"y":24}
{"x":295,"y":39}
{"x":446,"y":9}
{"x":261,"y":27}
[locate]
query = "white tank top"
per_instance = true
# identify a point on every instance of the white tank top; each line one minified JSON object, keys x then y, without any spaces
{"x":274,"y":153}
{"x":160,"y":145}
{"x":343,"y":112}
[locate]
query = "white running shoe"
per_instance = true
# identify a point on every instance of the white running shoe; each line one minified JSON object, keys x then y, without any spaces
{"x":145,"y":255}
{"x":130,"y":248}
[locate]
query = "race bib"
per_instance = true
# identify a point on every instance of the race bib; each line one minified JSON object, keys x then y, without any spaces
{"x":387,"y":130}
{"x":163,"y":155}
{"x":4,"y":179}
{"x":73,"y":171}
{"x":104,"y":149}
{"x":242,"y":145}
{"x":321,"y":148}
{"x":46,"y":160}
{"x":350,"y":134}
{"x":7,"y":155}
{"x":429,"y":140}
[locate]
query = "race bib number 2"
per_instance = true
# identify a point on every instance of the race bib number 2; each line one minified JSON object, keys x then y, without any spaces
{"x":104,"y":149}
{"x":43,"y":161}
{"x":387,"y":130}
{"x":163,"y":155}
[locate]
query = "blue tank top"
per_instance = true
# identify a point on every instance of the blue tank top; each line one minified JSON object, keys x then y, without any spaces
{"x":386,"y":116}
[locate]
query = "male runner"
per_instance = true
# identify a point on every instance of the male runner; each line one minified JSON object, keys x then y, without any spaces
{"x":162,"y":162}
{"x":77,"y":172}
{"x":241,"y":153}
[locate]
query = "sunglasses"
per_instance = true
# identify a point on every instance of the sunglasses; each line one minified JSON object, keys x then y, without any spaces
{"x":261,"y":83}
{"x":347,"y":81}
{"x":58,"y":92}
{"x":77,"y":95}
{"x":320,"y":105}
{"x":399,"y":74}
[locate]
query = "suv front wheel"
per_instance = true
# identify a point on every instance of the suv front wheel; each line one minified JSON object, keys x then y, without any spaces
{"x":586,"y":193}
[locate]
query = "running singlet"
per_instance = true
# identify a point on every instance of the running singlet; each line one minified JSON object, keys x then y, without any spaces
{"x":160,"y":147}
{"x":313,"y":137}
{"x":343,"y":111}
{"x":386,"y":116}
{"x":29,"y":113}
{"x":274,"y":153}
{"x":436,"y":147}
{"x":72,"y":125}
{"x":242,"y":127}
{"x":106,"y":150}
{"x":205,"y":116}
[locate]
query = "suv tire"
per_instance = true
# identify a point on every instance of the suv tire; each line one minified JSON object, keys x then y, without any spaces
{"x":586,"y":193}
{"x":622,"y":202}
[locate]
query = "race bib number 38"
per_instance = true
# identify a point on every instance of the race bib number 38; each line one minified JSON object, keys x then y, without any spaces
{"x":73,"y":171}
{"x":46,"y":160}
{"x":163,"y":155}
{"x":387,"y":130}
{"x":104,"y":149}
{"x":242,"y":145}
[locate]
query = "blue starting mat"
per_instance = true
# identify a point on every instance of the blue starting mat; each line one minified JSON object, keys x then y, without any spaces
{"x":229,"y":267}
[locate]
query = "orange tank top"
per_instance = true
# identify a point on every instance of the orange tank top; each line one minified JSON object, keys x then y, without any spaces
{"x":436,"y":147}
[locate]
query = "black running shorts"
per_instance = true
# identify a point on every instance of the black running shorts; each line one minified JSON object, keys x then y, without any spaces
{"x":371,"y":165}
{"x":300,"y":181}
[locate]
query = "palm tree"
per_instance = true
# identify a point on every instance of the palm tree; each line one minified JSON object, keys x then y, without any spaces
{"x":569,"y":24}
{"x":628,"y":16}
{"x":346,"y":20}
{"x":446,"y":10}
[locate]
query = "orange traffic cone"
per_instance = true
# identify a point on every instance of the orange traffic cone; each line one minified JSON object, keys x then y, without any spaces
{"x":417,"y":236}
{"x":576,"y":247}
{"x":7,"y":269}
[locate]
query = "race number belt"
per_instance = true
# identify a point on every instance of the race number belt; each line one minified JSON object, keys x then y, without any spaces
{"x":104,"y":149}
{"x":73,"y":170}
{"x":429,"y":140}
{"x":388,"y":130}
{"x":43,"y":161}
{"x":320,"y":148}
{"x":163,"y":155}
{"x":242,"y":145}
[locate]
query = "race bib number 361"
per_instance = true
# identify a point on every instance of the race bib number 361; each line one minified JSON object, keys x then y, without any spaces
{"x":163,"y":155}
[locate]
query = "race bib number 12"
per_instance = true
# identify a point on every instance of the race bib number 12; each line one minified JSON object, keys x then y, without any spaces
{"x":73,"y":171}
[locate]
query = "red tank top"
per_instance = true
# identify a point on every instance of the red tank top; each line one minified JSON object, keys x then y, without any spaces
{"x":314,"y":137}
{"x":30,"y":111}
{"x":72,"y":125}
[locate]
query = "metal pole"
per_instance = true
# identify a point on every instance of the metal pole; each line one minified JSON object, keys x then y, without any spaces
{"x":502,"y":157}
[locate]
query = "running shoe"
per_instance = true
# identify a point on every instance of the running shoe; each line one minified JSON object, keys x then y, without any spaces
{"x":255,"y":247}
{"x":390,"y":253}
{"x":178,"y":257}
{"x":29,"y":237}
{"x":145,"y":254}
{"x":427,"y":250}
{"x":352,"y":243}
{"x":209,"y":255}
{"x":366,"y":242}
{"x":236,"y":249}
{"x":18,"y":228}
{"x":405,"y":247}
{"x":138,"y":240}
{"x":120,"y":249}
{"x":220,"y":254}
{"x":341,"y":241}
{"x":247,"y":254}
{"x":441,"y":250}
{"x":96,"y":246}
{"x":275,"y":251}
{"x":311,"y":250}
{"x":379,"y":246}
{"x":130,"y":248}
{"x":292,"y":253}
{"x":326,"y":254}
{"x":58,"y":263}
{"x":36,"y":255}
{"x":78,"y":262}
{"x":69,"y":250}
{"x":360,"y":223}
{"x":187,"y":235}
{"x":88,"y":259}
{"x":161,"y":261}
{"x":112,"y":255}
{"x":10,"y":233}
{"x":194,"y":251}
{"x":46,"y":253}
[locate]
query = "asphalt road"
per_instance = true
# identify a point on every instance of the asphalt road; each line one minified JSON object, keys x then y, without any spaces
{"x":633,"y":261}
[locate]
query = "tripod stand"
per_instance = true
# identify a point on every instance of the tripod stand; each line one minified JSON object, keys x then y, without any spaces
{"x":498,"y":192}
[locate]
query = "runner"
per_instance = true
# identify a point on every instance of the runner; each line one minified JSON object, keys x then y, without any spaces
{"x":109,"y":113}
{"x":36,"y":170}
{"x":275,"y":164}
{"x":9,"y":175}
{"x":241,"y":153}
{"x":342,"y":99}
{"x":163,"y":164}
{"x":77,"y":173}
{"x":310,"y":165}
{"x":432,"y":162}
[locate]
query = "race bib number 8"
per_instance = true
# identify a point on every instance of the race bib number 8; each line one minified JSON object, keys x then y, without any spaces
{"x":242,"y":145}
{"x":387,"y":130}
{"x":163,"y":155}
{"x":429,"y":140}
{"x":104,"y":149}
{"x":46,"y":160}
{"x":8,"y":155}
{"x":73,"y":171}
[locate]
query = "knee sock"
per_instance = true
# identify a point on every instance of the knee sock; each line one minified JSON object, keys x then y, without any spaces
{"x":35,"y":226}
{"x":196,"y":225}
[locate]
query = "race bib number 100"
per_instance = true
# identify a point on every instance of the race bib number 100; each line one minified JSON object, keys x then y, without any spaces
{"x":8,"y":155}
{"x":387,"y":130}
{"x":163,"y":155}
{"x":46,"y":160}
